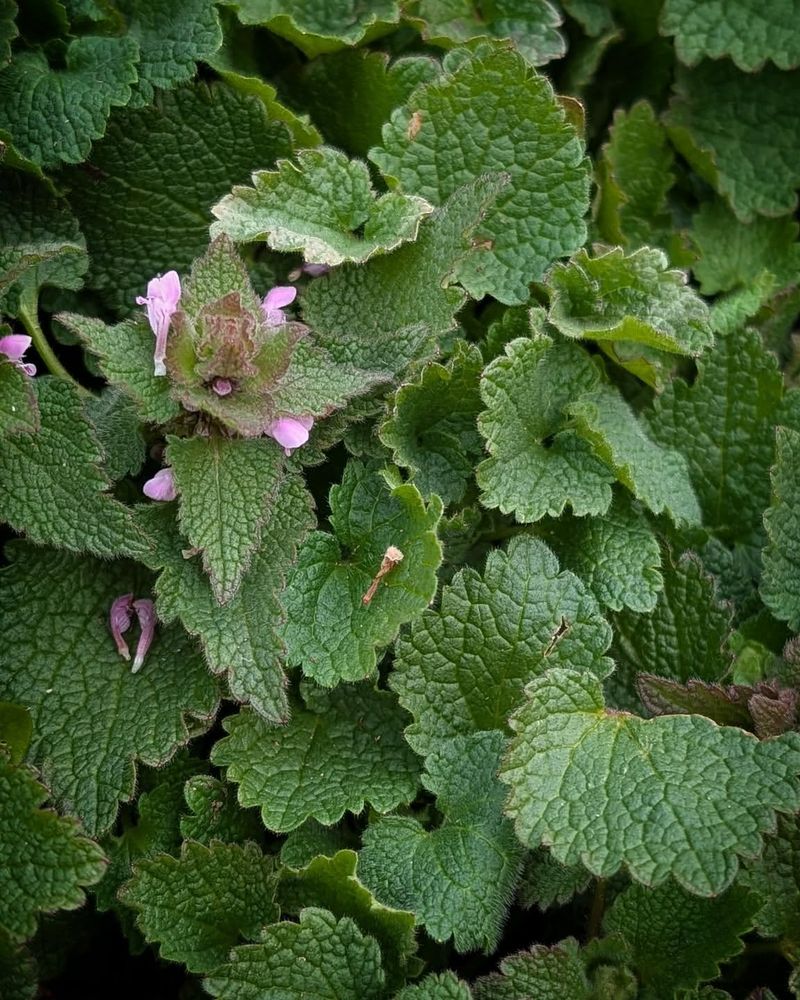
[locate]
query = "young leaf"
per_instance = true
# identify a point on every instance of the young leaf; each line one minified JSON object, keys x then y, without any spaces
{"x":199,"y":905}
{"x":319,"y":957}
{"x":344,"y":748}
{"x":92,"y":717}
{"x":54,"y":114}
{"x":636,"y":299}
{"x":677,"y":940}
{"x":323,"y":206}
{"x":780,"y":586}
{"x":432,"y":425}
{"x":52,"y":484}
{"x":215,"y":814}
{"x":428,"y":150}
{"x":333,"y":884}
{"x":19,"y":409}
{"x":600,"y":787}
{"x":775,"y":879}
{"x":555,"y":973}
{"x":657,"y":476}
{"x":331,"y":630}
{"x":441,"y":986}
{"x":459,"y":878}
{"x":226,"y":488}
{"x":526,"y":392}
{"x":545,"y":882}
{"x":464,"y":666}
{"x":43,"y":859}
{"x":739,"y":132}
{"x":114,"y":418}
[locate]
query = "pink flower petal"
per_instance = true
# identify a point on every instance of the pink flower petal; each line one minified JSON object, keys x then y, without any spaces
{"x":280,"y":296}
{"x":146,"y":613}
{"x":161,"y":486}
{"x":291,"y":432}
{"x":161,"y":301}
{"x":14,"y":345}
{"x":222,"y":386}
{"x":316,"y":270}
{"x":119,"y":621}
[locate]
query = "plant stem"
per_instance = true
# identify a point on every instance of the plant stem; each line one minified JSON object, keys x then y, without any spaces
{"x":598,"y":909}
{"x":29,"y":318}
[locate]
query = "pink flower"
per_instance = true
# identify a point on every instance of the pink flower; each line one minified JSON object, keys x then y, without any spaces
{"x":161,"y":486}
{"x":163,"y":296}
{"x":222,"y":386}
{"x":146,"y":613}
{"x":316,"y":270}
{"x":14,"y":345}
{"x":274,"y":301}
{"x":291,"y":432}
{"x":119,"y":621}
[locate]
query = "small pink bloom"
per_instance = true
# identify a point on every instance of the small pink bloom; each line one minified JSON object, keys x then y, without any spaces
{"x":146,"y":613}
{"x":290,"y":432}
{"x":163,"y":296}
{"x":316,"y":270}
{"x":119,"y":621}
{"x":161,"y":486}
{"x":222,"y":386}
{"x":14,"y":345}
{"x":274,"y":301}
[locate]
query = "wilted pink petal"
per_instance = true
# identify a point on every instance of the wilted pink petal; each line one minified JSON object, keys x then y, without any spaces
{"x":119,"y":621}
{"x":274,"y":301}
{"x":316,"y":270}
{"x":14,"y":345}
{"x":291,"y":432}
{"x":146,"y":613}
{"x":222,"y":386}
{"x":163,"y":296}
{"x":28,"y":368}
{"x":161,"y":486}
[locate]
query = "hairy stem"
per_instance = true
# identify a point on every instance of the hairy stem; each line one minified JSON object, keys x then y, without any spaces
{"x":29,"y":318}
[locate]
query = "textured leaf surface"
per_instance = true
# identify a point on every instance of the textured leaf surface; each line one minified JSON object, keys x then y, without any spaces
{"x":226,"y":487}
{"x":20,"y":976}
{"x":464,"y":666}
{"x":199,"y":905}
{"x":635,"y":298}
{"x":322,"y":206}
{"x":333,"y":884}
{"x":775,"y":879}
{"x":19,"y":410}
{"x":114,"y":418}
{"x":344,"y":748}
{"x":526,"y":392}
{"x":617,"y":555}
{"x":604,"y":788}
{"x":545,"y":882}
{"x":723,"y":425}
{"x":678,"y":940}
{"x":780,"y":586}
{"x":44,"y":861}
{"x":458,"y":878}
{"x":747,"y":31}
{"x":160,"y":169}
{"x":319,"y":957}
{"x":555,"y":973}
{"x":329,"y":629}
{"x":51,"y":482}
{"x":442,"y":986}
{"x":432,"y":425}
{"x":215,"y":814}
{"x":739,"y":132}
{"x":658,"y":476}
{"x":312,"y":840}
{"x":92,"y":717}
{"x":428,"y":150}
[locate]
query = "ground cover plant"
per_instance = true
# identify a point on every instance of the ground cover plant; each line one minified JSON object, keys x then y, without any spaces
{"x":399,"y":472}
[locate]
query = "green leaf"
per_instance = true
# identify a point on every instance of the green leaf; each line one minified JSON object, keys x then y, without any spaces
{"x":226,"y":487}
{"x":537,"y":467}
{"x":323,"y":206}
{"x":747,"y":31}
{"x":215,"y":814}
{"x":8,"y":29}
{"x":723,"y":425}
{"x":532,"y":27}
{"x":635,"y":299}
{"x":429,"y":150}
{"x":677,"y":940}
{"x":92,"y":717}
{"x":312,"y":839}
{"x":617,"y":555}
{"x":386,"y":312}
{"x":116,"y":423}
{"x":780,"y":586}
{"x":171,"y":39}
{"x":330,"y":630}
{"x":319,"y":957}
{"x":333,"y":884}
{"x":16,"y":729}
{"x":160,"y":169}
{"x":432,"y":426}
{"x":463,"y":667}
{"x":316,"y":26}
{"x":18,"y":972}
{"x":775,"y":878}
{"x":658,"y":476}
{"x":52,"y":485}
{"x":19,"y":409}
{"x":739,"y":132}
{"x":198,"y":906}
{"x":459,"y":877}
{"x":44,"y":861}
{"x":344,"y":748}
{"x":600,"y":787}
{"x":441,"y":986}
{"x":545,"y":882}
{"x":554,"y":973}
{"x":54,"y":114}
